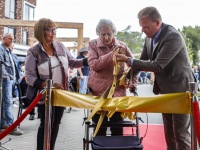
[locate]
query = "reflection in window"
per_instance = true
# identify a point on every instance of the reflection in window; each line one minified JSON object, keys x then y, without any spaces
{"x":28,"y":12}
{"x":10,"y":9}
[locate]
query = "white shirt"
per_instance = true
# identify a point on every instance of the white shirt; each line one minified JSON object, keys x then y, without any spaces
{"x":56,"y":70}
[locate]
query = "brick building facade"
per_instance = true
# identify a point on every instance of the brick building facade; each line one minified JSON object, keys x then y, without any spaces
{"x":21,"y":10}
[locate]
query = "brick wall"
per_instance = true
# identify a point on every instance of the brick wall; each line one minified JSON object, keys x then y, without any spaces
{"x":2,"y":14}
{"x":18,"y":9}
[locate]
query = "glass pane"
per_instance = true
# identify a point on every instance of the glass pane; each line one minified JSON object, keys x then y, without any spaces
{"x":11,"y":30}
{"x":7,"y":8}
{"x":12,"y":15}
{"x":5,"y":30}
{"x":26,"y":13}
{"x":25,"y":38}
{"x":12,"y":6}
{"x":31,"y":10}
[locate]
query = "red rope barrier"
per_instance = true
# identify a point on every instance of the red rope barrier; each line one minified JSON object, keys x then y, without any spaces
{"x":196,"y":114}
{"x":21,"y":118}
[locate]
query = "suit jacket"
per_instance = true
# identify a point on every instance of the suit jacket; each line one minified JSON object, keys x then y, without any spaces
{"x":170,"y":63}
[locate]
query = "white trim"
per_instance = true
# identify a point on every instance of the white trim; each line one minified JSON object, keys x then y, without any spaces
{"x":27,"y":3}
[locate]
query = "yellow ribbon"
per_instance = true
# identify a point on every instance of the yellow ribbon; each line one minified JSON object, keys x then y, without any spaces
{"x":177,"y":103}
{"x":116,"y":69}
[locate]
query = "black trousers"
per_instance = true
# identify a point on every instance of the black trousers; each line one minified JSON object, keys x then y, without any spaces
{"x":57,"y":113}
{"x":27,"y":102}
{"x":114,"y":131}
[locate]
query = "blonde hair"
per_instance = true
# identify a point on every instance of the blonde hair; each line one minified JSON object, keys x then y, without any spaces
{"x":39,"y":27}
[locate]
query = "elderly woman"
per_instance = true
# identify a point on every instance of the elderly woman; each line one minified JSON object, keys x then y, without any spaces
{"x":100,"y":60}
{"x":49,"y":59}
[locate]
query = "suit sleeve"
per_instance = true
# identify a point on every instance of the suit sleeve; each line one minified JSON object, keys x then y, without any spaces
{"x":171,"y":47}
{"x":143,"y":56}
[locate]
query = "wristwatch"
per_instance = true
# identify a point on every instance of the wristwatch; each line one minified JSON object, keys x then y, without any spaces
{"x":128,"y":62}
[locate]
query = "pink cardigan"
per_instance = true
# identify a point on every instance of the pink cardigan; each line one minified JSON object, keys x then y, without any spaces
{"x":100,"y":60}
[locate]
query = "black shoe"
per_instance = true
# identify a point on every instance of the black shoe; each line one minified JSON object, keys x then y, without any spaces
{"x":31,"y":117}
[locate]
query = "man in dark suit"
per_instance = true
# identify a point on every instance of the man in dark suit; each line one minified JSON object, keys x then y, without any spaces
{"x":165,"y":54}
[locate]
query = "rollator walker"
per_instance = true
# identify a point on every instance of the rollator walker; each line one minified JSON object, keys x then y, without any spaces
{"x":130,"y":142}
{"x":119,"y":142}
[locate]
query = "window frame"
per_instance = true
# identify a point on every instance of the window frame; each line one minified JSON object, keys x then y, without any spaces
{"x":10,"y":9}
{"x":29,"y":5}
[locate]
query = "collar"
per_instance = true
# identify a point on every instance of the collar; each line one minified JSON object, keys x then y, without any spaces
{"x":42,"y":46}
{"x":156,"y":36}
{"x":112,"y":43}
{"x":59,"y":49}
{"x":5,"y":47}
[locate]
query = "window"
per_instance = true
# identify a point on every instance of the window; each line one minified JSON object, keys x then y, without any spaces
{"x":9,"y":30}
{"x":10,"y":9}
{"x":29,"y":11}
{"x":25,"y":38}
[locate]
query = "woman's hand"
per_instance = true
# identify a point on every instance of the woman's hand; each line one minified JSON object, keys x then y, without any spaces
{"x":128,"y":83}
{"x":121,"y":50}
{"x":58,"y":86}
{"x":121,"y":58}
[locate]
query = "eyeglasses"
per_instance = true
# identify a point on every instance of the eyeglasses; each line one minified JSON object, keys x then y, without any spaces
{"x":51,"y":30}
{"x":11,"y":39}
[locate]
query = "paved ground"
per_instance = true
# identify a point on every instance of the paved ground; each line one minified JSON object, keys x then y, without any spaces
{"x":71,"y":130}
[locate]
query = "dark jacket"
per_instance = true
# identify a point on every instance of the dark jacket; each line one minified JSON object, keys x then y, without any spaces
{"x":171,"y":63}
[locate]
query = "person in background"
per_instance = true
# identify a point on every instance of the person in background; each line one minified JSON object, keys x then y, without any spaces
{"x":48,"y":59}
{"x":196,"y":73}
{"x":100,"y":60}
{"x":10,"y":76}
{"x":165,"y":54}
{"x":199,"y":74}
{"x":142,"y":77}
{"x":16,"y":92}
{"x":149,"y":77}
{"x":83,"y":72}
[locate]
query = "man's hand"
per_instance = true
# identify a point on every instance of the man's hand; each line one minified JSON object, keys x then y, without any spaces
{"x":121,"y":58}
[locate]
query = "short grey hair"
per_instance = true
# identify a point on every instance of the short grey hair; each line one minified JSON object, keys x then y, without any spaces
{"x":6,"y":34}
{"x":152,"y":12}
{"x":105,"y":22}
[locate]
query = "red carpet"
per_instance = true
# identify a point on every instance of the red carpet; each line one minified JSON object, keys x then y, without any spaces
{"x":155,"y":138}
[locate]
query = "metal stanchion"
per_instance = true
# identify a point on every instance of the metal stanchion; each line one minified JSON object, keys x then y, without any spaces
{"x":137,"y":123}
{"x":87,"y":123}
{"x":193,"y":86}
{"x":48,"y":113}
{"x":1,"y":80}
